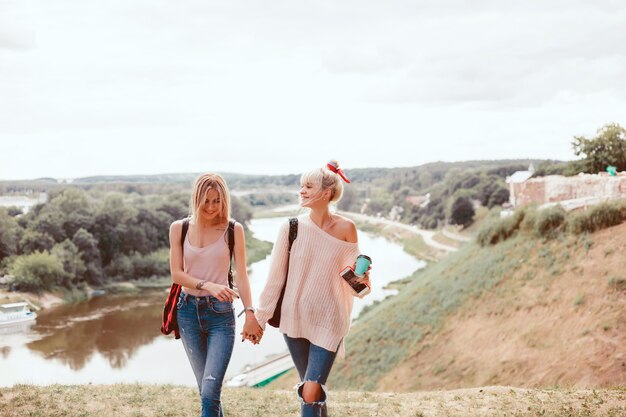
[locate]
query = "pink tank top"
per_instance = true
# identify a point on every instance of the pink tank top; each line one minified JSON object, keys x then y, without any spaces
{"x":209,"y":263}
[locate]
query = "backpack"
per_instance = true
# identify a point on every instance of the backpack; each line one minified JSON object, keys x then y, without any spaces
{"x":293,"y":234}
{"x":169,"y":319}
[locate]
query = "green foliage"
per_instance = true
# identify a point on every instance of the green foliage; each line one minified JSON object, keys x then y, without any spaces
{"x":462,"y":211}
{"x":35,"y":241}
{"x":598,"y":217}
{"x":37,"y":272}
{"x":608,"y":147}
{"x":98,"y":236}
{"x":240,"y":211}
{"x":546,"y":168}
{"x":256,"y":250}
{"x":9,"y":234}
{"x":498,"y":230}
{"x":549,"y":222}
{"x":14,"y":211}
{"x":73,"y":265}
{"x":88,"y":248}
{"x":269,"y":199}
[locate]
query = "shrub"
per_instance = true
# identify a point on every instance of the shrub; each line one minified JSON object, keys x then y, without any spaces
{"x":499,"y":230}
{"x":549,"y":222}
{"x":599,"y":217}
{"x":37,"y":272}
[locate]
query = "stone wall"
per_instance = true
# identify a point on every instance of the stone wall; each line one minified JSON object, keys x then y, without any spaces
{"x":556,"y":188}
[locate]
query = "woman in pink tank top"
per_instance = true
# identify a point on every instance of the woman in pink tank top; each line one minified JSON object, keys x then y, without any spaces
{"x":205,"y":311}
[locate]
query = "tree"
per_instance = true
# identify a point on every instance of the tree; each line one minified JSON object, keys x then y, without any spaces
{"x":608,"y":147}
{"x":240,"y":211}
{"x":35,"y":241}
{"x":462,"y":211}
{"x":88,"y":247}
{"x":73,"y":265}
{"x":37,"y":272}
{"x":10,"y":233}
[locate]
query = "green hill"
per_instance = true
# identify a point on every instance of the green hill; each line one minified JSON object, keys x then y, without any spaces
{"x":527,"y":311}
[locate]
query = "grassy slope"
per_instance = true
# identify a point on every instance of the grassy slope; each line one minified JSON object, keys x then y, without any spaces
{"x":170,"y":401}
{"x":523,"y":312}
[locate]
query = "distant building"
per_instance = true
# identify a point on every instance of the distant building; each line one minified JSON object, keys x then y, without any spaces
{"x":419,"y":200}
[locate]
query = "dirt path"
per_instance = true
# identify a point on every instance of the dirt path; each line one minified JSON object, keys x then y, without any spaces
{"x":455,"y":236}
{"x":427,"y":235}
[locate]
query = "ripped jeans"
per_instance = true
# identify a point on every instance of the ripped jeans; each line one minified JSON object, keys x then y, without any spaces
{"x":207,"y":329}
{"x":313,"y":364}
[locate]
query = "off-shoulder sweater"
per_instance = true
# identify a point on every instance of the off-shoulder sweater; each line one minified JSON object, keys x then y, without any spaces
{"x":318,"y":303}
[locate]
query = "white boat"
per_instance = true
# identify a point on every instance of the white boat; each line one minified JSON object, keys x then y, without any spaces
{"x":15,"y":313}
{"x":263,"y":373}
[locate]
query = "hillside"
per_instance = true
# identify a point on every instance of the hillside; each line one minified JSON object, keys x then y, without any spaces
{"x":525,"y":312}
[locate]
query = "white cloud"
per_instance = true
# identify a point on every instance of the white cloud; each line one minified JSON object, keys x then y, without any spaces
{"x":275,"y":87}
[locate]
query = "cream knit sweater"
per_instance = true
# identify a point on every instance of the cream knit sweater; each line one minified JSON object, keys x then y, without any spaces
{"x":318,"y":302}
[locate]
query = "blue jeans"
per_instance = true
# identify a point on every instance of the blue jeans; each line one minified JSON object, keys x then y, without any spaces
{"x":207,"y":329}
{"x":313,"y":364}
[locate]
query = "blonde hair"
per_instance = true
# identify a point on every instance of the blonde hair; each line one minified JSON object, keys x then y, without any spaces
{"x":205,"y":183}
{"x":325,"y":179}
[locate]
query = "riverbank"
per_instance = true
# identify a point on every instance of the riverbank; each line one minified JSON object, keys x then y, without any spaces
{"x":123,"y":400}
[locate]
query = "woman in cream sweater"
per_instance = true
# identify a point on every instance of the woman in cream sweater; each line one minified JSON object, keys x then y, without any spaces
{"x":317,"y":304}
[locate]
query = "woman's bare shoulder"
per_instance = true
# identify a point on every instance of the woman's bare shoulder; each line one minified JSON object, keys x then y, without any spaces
{"x":347,"y":228}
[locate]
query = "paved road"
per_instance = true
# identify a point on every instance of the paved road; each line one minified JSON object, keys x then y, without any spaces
{"x":427,"y":235}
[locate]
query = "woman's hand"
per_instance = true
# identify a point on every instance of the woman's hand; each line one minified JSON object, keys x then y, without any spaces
{"x":366,"y":278}
{"x":252,"y":331}
{"x":221,"y":292}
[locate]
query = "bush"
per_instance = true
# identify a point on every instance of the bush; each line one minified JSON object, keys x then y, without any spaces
{"x":37,"y":272}
{"x":155,"y":264}
{"x":135,"y":266}
{"x":549,"y":222}
{"x":599,"y":217}
{"x":499,"y":230}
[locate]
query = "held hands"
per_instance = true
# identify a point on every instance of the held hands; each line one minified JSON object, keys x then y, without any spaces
{"x":252,"y":331}
{"x":221,"y":292}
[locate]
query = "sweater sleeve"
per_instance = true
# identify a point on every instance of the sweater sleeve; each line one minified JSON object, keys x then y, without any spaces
{"x":276,"y":278}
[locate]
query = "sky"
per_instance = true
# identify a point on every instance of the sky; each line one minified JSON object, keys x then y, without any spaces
{"x":122,"y":87}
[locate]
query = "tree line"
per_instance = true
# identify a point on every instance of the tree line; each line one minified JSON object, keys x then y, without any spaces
{"x":83,"y":238}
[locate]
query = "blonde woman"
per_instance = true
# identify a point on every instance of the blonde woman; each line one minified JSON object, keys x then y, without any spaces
{"x":201,"y":266}
{"x":317,"y":303}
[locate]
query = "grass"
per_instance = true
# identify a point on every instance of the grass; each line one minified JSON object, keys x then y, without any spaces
{"x":551,"y":223}
{"x":124,"y":400}
{"x":256,"y":250}
{"x":395,"y":327}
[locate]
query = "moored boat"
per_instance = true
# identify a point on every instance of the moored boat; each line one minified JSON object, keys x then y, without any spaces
{"x":15,"y":313}
{"x":263,"y":373}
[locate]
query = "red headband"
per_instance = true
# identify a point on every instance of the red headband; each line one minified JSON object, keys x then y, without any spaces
{"x":334,"y":168}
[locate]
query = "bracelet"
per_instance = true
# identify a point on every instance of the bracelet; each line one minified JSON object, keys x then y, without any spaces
{"x":200,"y":284}
{"x":246,"y":309}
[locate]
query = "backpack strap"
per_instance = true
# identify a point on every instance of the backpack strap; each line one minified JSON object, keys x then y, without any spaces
{"x":184,"y":232}
{"x":231,"y":248}
{"x":293,"y":231}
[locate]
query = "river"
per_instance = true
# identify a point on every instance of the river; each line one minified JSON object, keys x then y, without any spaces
{"x":113,"y":339}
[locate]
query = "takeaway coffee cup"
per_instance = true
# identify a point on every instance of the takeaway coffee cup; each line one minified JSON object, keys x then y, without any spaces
{"x":362,"y":263}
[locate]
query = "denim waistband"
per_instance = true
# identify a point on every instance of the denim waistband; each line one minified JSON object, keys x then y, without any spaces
{"x":195,"y":298}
